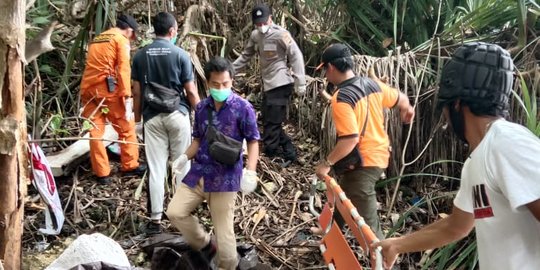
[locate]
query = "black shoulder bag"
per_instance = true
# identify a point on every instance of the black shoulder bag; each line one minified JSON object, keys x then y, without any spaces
{"x":158,"y":97}
{"x":353,"y":160}
{"x":222,"y":148}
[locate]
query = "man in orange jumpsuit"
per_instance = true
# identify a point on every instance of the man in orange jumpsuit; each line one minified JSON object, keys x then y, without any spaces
{"x":106,"y":95}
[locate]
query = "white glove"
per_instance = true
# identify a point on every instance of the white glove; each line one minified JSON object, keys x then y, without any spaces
{"x":180,"y":163}
{"x":139,"y":129}
{"x":249,"y":180}
{"x":129,"y":109}
{"x":301,"y":90}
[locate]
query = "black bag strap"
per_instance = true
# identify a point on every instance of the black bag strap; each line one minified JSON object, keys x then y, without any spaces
{"x":210,"y":124}
{"x":367,"y":110}
{"x":210,"y":117}
{"x":365,"y":121}
{"x":147,"y":73}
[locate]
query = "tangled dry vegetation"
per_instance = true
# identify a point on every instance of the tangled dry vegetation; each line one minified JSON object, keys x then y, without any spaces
{"x":276,"y":218}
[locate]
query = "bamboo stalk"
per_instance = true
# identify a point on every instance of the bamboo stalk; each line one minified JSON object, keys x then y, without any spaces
{"x":403,"y":161}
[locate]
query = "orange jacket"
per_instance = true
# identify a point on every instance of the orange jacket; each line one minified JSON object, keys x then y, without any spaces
{"x":349,"y":108}
{"x":108,"y":54}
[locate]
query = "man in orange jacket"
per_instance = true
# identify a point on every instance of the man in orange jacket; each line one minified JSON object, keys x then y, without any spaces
{"x":106,"y":95}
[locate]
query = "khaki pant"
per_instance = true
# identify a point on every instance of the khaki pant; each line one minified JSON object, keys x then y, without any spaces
{"x":221,"y":206}
{"x":166,"y":135}
{"x":359,"y":186}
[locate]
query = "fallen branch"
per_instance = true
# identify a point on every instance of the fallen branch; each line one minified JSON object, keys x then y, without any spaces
{"x":263,"y":246}
{"x":296,"y":196}
{"x":257,"y":218}
{"x":269,"y":195}
{"x":139,"y":189}
{"x":76,"y":211}
{"x":291,"y":229}
{"x":82,"y":138}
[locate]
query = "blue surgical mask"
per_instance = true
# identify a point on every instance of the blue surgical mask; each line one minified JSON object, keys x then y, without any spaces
{"x":220,"y":95}
{"x":173,"y":40}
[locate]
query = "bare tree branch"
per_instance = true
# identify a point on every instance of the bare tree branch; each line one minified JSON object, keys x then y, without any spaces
{"x":40,"y":44}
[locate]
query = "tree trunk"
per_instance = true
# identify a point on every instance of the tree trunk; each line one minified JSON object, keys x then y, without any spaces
{"x":13,"y":153}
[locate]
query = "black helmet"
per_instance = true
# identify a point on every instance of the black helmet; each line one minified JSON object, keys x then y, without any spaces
{"x":478,"y":74}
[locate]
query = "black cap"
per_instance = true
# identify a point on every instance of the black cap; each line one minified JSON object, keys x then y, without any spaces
{"x":333,"y":52}
{"x":127,"y":19}
{"x":260,"y":13}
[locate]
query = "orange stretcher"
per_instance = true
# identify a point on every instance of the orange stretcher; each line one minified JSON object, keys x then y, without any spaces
{"x":335,"y":250}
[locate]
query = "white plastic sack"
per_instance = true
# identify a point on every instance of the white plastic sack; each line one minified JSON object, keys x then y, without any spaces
{"x":91,"y":248}
{"x":43,"y":180}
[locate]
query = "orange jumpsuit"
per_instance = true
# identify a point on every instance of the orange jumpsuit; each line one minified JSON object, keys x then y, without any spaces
{"x":108,"y":54}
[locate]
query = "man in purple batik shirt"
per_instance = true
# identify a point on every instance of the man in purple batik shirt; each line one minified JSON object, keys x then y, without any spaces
{"x":209,"y":179}
{"x":235,"y":119}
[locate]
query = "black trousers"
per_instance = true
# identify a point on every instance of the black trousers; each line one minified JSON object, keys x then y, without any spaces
{"x":274,"y":110}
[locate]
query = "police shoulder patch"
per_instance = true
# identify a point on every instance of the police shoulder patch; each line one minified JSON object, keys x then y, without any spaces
{"x":286,"y":38}
{"x":102,"y":38}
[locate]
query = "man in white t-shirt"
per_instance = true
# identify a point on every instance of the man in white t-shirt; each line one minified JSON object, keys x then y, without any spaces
{"x":499,"y":195}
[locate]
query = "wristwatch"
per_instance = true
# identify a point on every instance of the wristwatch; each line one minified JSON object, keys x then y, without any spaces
{"x":326,"y":162}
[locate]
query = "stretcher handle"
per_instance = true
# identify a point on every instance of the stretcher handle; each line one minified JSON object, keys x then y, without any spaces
{"x":365,"y":230}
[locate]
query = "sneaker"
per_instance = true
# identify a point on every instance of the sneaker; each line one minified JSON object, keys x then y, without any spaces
{"x":209,"y":251}
{"x":104,"y":180}
{"x":152,"y":228}
{"x":139,"y":171}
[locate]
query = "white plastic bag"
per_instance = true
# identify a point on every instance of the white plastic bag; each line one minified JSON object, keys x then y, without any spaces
{"x":91,"y":248}
{"x":43,"y":180}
